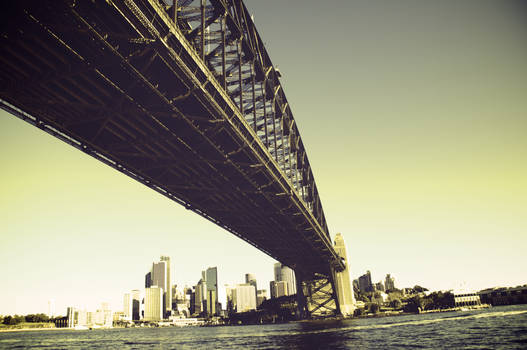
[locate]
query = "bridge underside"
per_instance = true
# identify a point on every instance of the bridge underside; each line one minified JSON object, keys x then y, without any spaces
{"x":119,"y":81}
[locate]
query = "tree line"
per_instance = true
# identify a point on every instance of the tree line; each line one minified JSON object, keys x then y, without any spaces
{"x":31,"y":318}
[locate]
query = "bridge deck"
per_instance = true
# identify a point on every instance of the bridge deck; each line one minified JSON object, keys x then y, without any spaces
{"x":119,"y":81}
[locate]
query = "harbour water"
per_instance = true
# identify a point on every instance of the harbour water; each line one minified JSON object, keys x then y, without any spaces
{"x":503,"y":327}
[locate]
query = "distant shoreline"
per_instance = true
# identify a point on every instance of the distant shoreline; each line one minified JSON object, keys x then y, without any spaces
{"x":31,"y":329}
{"x":378,"y":315}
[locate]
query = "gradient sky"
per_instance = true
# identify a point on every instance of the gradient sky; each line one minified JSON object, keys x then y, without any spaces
{"x":414,"y":116}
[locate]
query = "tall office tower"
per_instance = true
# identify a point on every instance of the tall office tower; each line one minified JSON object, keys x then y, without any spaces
{"x":212,"y":291}
{"x":365,"y":282}
{"x":272,"y":289}
{"x":244,"y":297}
{"x":136,"y":305}
{"x":168,"y":294}
{"x":251,"y":279}
{"x":154,"y":304}
{"x":285,"y":274}
{"x":127,"y":306}
{"x":261,"y":296}
{"x":200,"y":297}
{"x":278,"y":289}
{"x":159,"y":279}
{"x":148,"y":280}
{"x":389,"y":283}
{"x":229,"y":291}
{"x":342,"y":280}
{"x":277,"y":272}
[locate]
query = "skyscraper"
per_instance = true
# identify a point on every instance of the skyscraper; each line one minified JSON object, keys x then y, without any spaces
{"x":168,"y":293}
{"x":148,"y":279}
{"x":278,"y":289}
{"x":159,"y":279}
{"x":212,"y":291}
{"x":261,"y":296}
{"x":244,"y":297}
{"x":287,"y":275}
{"x":153,"y":304}
{"x":251,"y":279}
{"x":127,"y":306}
{"x":365,"y":284}
{"x":136,"y":304}
{"x":342,"y":280}
{"x":389,"y":283}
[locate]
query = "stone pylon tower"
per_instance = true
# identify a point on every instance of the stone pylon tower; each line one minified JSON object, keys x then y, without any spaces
{"x":342,"y":280}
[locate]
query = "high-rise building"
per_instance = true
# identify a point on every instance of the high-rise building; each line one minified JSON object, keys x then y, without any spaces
{"x":160,"y":279}
{"x":200,"y":294}
{"x":148,"y":280}
{"x":251,"y":279}
{"x":278,"y":289}
{"x":365,"y":284}
{"x":261,"y":296}
{"x":389,"y":283}
{"x":154,"y":304}
{"x":379,"y":286}
{"x":342,"y":279}
{"x":212,"y":291}
{"x":229,"y":291}
{"x":168,"y":294}
{"x":136,"y":304}
{"x":244,"y":297}
{"x":285,"y":274}
{"x":127,"y":306}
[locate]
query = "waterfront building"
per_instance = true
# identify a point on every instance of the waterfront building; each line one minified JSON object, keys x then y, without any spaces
{"x":504,"y":296}
{"x":168,"y":294}
{"x":365,"y":284}
{"x":229,"y":291}
{"x":136,"y":304}
{"x":379,"y":286}
{"x":70,"y":316}
{"x":127,"y":306}
{"x":342,"y":279}
{"x":159,"y":279}
{"x":251,"y":279}
{"x":154,"y":304}
{"x":389,"y":283}
{"x":278,"y":289}
{"x":243,"y":297}
{"x":261,"y":296}
{"x":212,"y":290}
{"x":148,"y":280}
{"x":199,"y":297}
{"x":285,"y":274}
{"x":466,"y":299}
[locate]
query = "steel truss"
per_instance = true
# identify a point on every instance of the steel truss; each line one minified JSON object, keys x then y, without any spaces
{"x":316,"y":296}
{"x":183,"y":98}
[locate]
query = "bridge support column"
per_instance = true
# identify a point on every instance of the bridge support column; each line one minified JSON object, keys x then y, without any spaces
{"x":317,"y":297}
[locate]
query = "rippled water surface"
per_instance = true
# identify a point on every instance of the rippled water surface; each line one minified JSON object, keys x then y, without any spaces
{"x":495,"y":328}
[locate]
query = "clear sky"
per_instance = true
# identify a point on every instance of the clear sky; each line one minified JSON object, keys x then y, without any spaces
{"x":414,"y":116}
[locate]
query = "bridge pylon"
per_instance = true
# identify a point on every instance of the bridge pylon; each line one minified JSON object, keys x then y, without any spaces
{"x":317,"y":296}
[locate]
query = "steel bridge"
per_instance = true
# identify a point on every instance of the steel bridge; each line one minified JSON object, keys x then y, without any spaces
{"x":184,"y":99}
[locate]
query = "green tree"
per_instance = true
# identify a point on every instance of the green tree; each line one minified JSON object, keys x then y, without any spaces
{"x":396,"y":304}
{"x":374,"y":308}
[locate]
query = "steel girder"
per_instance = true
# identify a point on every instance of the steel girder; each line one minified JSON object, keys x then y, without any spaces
{"x":182,"y":98}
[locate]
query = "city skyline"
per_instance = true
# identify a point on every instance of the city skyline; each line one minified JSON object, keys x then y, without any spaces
{"x":413,"y":117}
